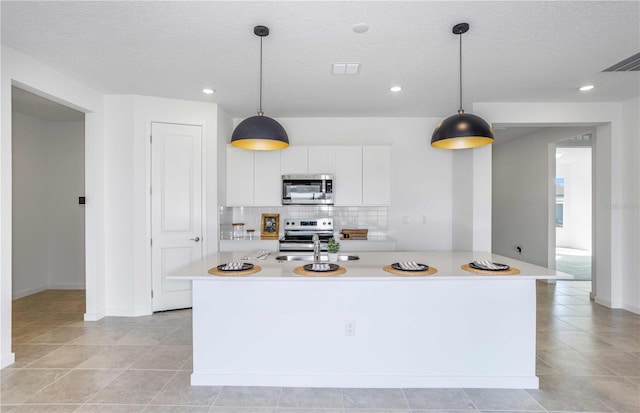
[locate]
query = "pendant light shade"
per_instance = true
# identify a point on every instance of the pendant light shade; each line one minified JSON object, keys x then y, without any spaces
{"x":462,"y":130}
{"x":260,"y":133}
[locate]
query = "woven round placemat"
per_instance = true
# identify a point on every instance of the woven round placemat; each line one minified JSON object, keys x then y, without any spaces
{"x":430,"y":271}
{"x":510,"y":271}
{"x":216,"y":271}
{"x":302,"y":271}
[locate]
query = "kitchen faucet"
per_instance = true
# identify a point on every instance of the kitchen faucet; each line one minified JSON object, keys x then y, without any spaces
{"x":316,"y":248}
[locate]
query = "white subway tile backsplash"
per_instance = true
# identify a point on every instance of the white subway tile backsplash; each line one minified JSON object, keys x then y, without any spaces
{"x":372,"y":218}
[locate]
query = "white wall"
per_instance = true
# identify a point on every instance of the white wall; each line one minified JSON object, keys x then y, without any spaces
{"x":225,"y":129}
{"x":48,"y":223}
{"x":128,"y":121}
{"x":615,"y":267}
{"x":520,"y":198}
{"x":116,"y":173}
{"x":29,"y":196}
{"x":421,"y":184}
{"x":575,"y":167}
{"x":471,"y":190}
{"x":630,"y":206}
{"x":29,"y":74}
{"x":65,"y":183}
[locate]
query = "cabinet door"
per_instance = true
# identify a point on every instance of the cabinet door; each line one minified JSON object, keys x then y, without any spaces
{"x":240,"y":179}
{"x":293,"y":160}
{"x":322,"y":160}
{"x":347,"y":184}
{"x":376,"y":175}
{"x":267,"y":179}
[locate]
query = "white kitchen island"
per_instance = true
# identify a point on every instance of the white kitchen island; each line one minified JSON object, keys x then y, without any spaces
{"x":367,"y":327}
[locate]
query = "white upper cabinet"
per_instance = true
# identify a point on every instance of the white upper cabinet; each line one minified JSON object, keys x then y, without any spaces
{"x":322,"y":159}
{"x":362,"y":174}
{"x":376,"y":175}
{"x":347,"y":184}
{"x":294,"y":160}
{"x":240,"y":177}
{"x":267,"y":180}
{"x":253,"y":177}
{"x":308,"y":160}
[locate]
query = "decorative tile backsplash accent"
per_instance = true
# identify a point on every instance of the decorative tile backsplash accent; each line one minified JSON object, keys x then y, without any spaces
{"x":372,"y":218}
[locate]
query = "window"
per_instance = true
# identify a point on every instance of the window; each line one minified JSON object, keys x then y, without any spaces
{"x":559,"y":202}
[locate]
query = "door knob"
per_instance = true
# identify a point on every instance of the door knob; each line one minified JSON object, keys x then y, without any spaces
{"x":196,"y":239}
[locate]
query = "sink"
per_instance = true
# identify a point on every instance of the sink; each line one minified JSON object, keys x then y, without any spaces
{"x":296,"y":257}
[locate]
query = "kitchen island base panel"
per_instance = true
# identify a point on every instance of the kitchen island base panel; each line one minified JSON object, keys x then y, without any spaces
{"x":359,"y":381}
{"x":416,"y":333}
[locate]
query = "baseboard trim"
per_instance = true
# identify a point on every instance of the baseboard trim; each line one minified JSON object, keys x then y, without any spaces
{"x":93,"y":316}
{"x":7,"y":360}
{"x":365,"y":381}
{"x":29,"y":291}
{"x":632,"y":308}
{"x":126,"y":313}
{"x":66,"y":286}
{"x":608,"y":303}
{"x":600,"y":301}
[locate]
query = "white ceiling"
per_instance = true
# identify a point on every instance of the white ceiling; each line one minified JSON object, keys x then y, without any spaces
{"x":534,"y":51}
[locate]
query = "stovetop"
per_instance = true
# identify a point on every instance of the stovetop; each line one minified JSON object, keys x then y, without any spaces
{"x":299,"y":232}
{"x":308,"y":225}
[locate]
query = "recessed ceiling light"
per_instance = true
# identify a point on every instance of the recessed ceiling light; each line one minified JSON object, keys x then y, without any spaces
{"x":360,"y":27}
{"x":395,"y":88}
{"x":208,"y":91}
{"x":586,"y":88}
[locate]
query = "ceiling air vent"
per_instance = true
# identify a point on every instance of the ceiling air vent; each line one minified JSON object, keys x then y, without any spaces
{"x":630,"y":64}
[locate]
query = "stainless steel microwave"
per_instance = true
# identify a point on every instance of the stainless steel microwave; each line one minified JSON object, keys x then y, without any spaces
{"x":312,"y":189}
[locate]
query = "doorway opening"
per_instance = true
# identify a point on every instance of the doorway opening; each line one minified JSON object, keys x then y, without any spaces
{"x":48,"y":217}
{"x":573,"y":210}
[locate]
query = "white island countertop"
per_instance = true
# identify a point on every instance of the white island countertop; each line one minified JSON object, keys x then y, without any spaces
{"x":369,"y":267}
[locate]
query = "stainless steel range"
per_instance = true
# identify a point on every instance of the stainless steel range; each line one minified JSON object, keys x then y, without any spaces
{"x":298,"y":233}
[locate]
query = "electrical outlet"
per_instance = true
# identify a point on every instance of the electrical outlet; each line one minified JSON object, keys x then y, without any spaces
{"x":349,"y":328}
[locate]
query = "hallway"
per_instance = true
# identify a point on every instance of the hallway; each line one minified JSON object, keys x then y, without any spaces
{"x":575,"y":262}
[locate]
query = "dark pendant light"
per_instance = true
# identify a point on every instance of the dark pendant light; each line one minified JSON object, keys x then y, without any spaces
{"x":260,"y":133}
{"x":462,"y":130}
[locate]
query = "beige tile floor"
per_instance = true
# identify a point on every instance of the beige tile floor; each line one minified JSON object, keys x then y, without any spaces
{"x":588,"y":361}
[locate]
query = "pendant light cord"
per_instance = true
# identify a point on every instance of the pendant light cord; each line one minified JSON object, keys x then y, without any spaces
{"x":260,"y":75}
{"x":460,"y":110}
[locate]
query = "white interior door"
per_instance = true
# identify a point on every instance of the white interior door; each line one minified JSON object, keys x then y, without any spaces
{"x":176,"y":210}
